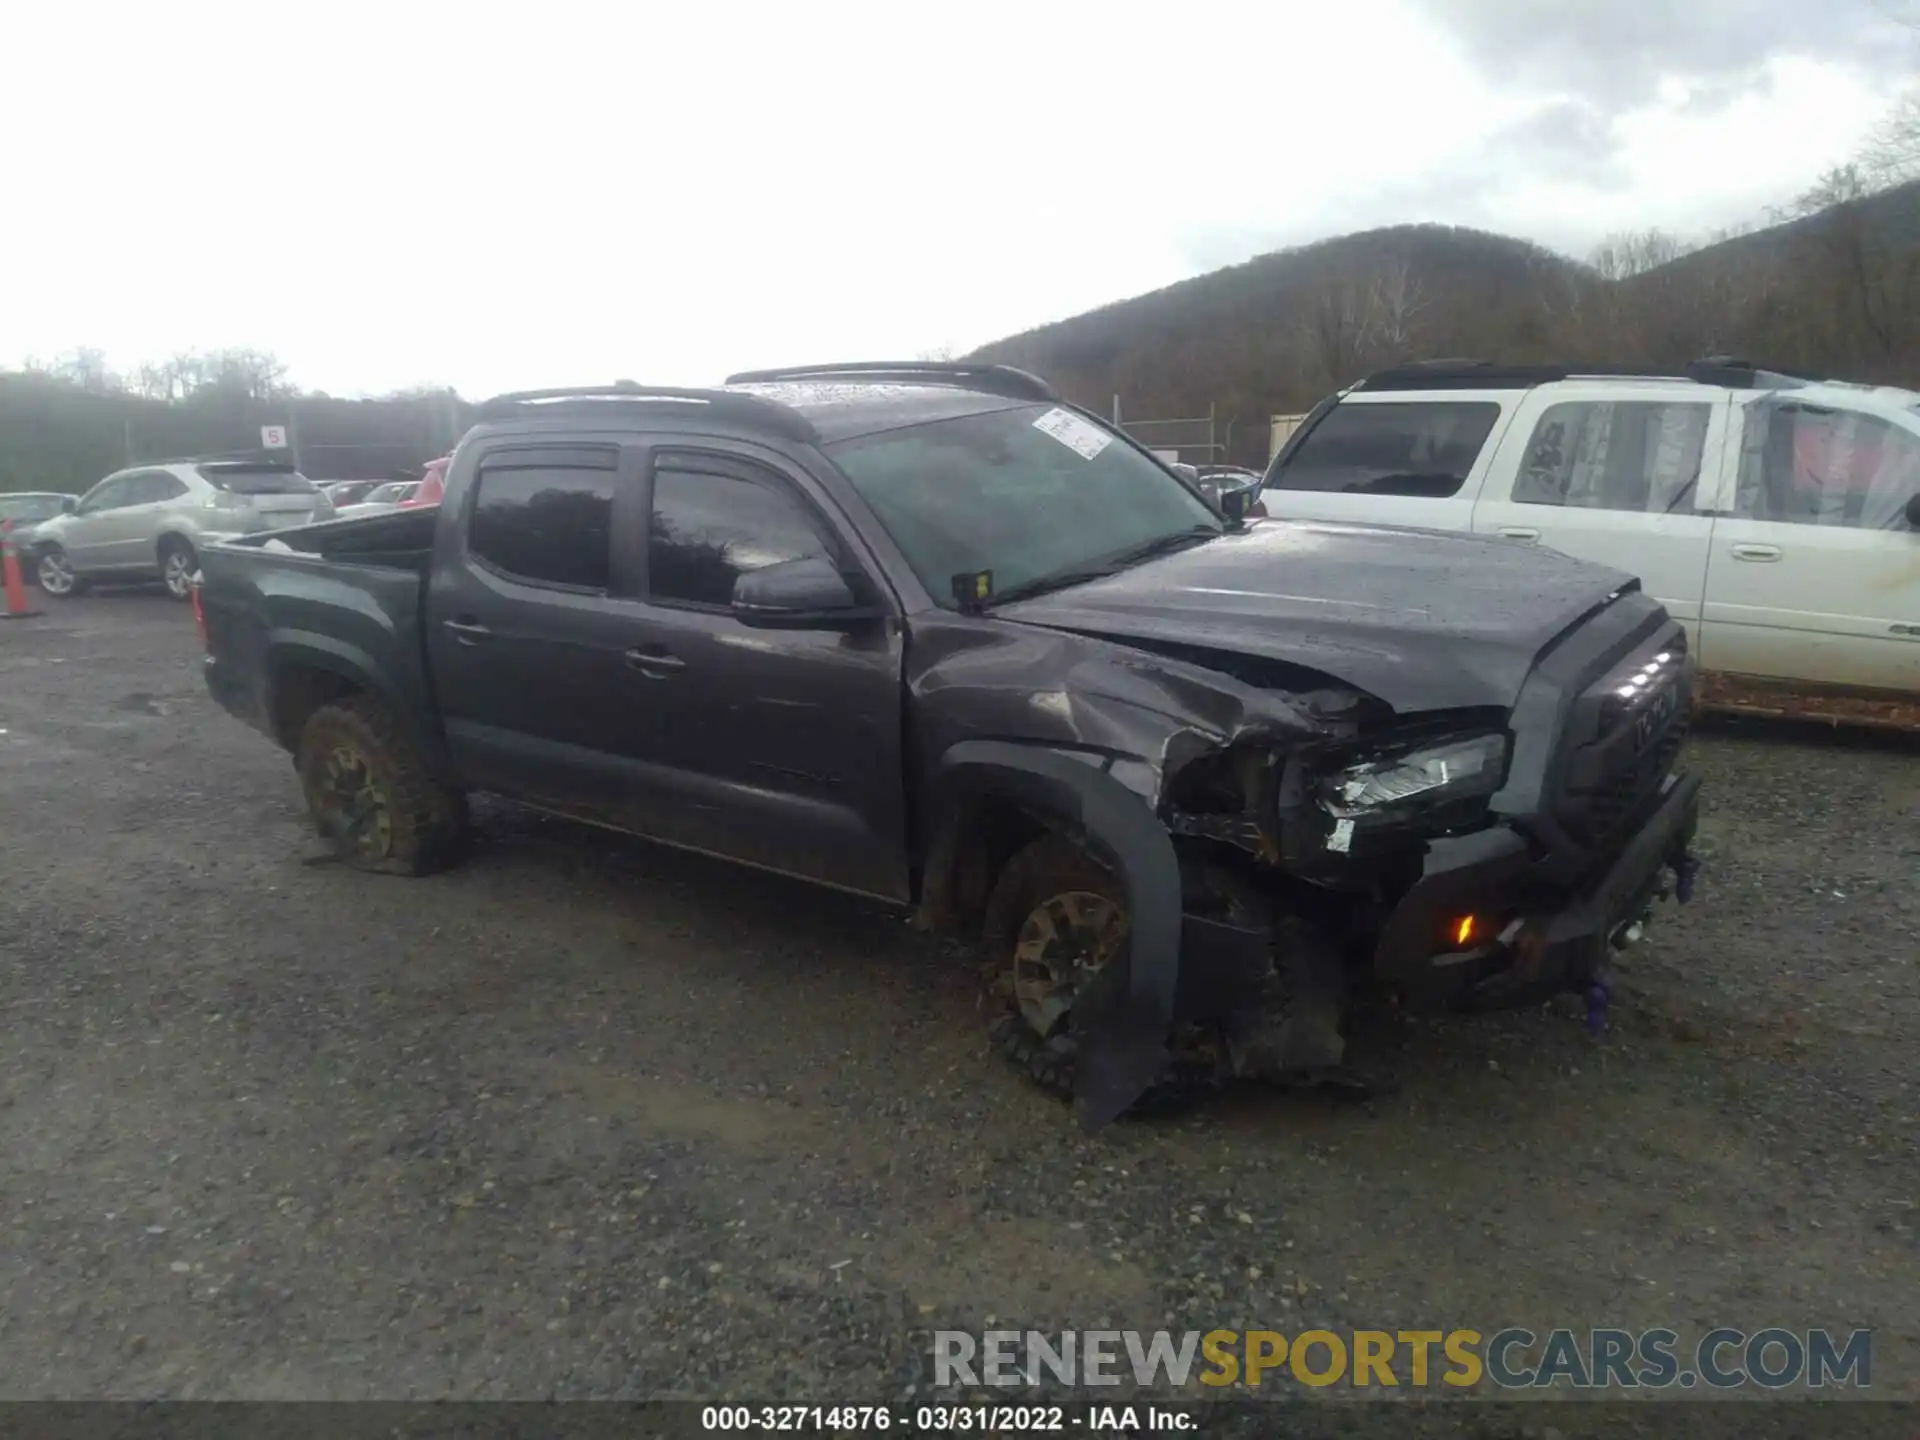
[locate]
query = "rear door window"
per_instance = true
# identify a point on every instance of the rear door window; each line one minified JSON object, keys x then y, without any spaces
{"x":1635,"y":455}
{"x":546,"y":517}
{"x":150,"y":487}
{"x":1419,"y":449}
{"x":1809,"y":465}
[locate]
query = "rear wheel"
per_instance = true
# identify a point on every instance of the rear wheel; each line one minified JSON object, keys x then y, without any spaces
{"x":177,"y":566}
{"x":56,"y":575}
{"x":370,"y":794}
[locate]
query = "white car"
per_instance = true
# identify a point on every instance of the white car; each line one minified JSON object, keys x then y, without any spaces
{"x":1777,"y":518}
{"x":379,"y":501}
{"x":149,"y":522}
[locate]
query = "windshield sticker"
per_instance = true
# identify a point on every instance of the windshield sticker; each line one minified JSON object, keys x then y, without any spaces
{"x":1079,"y":435}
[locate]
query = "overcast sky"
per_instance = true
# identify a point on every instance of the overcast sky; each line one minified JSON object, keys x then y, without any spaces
{"x":515,"y":194}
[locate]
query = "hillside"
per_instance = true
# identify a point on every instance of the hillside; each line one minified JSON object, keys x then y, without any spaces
{"x":1838,"y":292}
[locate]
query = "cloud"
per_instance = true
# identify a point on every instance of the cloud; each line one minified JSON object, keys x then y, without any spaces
{"x":1558,"y":142}
{"x":501,"y":202}
{"x":1622,"y":56}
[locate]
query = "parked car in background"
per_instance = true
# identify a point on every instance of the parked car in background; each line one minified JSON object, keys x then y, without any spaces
{"x":150,"y":521}
{"x":433,"y":485}
{"x":379,"y":500}
{"x":931,"y":634}
{"x":28,"y":510}
{"x":341,"y":493}
{"x":1776,"y":517}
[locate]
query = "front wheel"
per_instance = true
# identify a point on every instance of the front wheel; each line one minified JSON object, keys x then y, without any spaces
{"x":1056,"y":920}
{"x":177,"y":566}
{"x":56,"y":574}
{"x":370,"y":794}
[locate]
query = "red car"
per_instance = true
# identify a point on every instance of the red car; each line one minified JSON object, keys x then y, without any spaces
{"x":433,"y":484}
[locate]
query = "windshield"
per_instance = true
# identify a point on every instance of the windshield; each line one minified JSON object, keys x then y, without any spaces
{"x":28,"y":509}
{"x":1028,"y":494}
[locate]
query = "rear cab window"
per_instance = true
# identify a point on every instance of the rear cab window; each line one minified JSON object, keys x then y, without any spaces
{"x":1424,"y":448}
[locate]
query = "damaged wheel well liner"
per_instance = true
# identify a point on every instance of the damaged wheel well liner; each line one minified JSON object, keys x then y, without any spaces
{"x":1077,"y":796}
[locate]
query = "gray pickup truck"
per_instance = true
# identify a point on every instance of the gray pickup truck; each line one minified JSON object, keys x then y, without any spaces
{"x":933,"y":635}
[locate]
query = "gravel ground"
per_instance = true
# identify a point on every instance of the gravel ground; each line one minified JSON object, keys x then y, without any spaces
{"x":586,"y":1118}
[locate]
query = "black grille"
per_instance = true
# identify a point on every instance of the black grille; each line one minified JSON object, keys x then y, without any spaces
{"x":1615,"y":778}
{"x":1604,"y":813}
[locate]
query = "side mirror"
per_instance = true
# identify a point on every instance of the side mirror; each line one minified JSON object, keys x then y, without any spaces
{"x":1913,"y":514}
{"x":807,"y":594}
{"x":1234,"y":503}
{"x":68,"y":505}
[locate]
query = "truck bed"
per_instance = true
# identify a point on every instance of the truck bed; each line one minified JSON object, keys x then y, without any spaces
{"x":401,"y":540}
{"x":341,"y":599}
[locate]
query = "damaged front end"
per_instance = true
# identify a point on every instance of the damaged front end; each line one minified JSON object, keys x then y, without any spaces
{"x":1174,"y":775}
{"x":1282,"y":838}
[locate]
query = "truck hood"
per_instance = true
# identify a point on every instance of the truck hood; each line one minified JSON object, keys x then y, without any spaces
{"x":1424,"y":620}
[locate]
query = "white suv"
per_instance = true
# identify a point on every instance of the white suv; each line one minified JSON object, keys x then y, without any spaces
{"x":149,"y":521}
{"x":1778,"y":518}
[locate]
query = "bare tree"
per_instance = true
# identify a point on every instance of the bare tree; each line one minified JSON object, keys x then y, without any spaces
{"x":1838,"y":185}
{"x":1870,"y":280}
{"x":153,"y":380}
{"x":1892,"y":155}
{"x":1396,"y":301}
{"x":1634,"y":252}
{"x":1336,"y":332}
{"x":87,"y":369}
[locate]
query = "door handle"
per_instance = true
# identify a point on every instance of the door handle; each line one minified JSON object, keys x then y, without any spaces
{"x":655,"y":663}
{"x":467,"y":632}
{"x":1756,"y":552}
{"x":1518,"y":532}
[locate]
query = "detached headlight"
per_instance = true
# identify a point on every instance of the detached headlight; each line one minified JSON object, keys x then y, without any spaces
{"x":1457,"y":770}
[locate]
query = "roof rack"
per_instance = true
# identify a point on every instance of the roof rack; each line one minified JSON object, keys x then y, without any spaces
{"x":1745,"y":375}
{"x":591,"y":399}
{"x":992,"y":379}
{"x":1490,"y":375}
{"x":243,"y":457}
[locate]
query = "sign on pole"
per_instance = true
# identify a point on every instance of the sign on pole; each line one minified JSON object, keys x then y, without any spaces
{"x":273,"y":437}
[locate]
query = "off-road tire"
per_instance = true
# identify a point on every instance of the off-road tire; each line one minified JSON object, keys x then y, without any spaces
{"x":427,"y":822}
{"x":1054,"y":865}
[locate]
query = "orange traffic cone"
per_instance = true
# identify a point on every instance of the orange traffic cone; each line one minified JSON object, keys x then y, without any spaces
{"x":10,"y":563}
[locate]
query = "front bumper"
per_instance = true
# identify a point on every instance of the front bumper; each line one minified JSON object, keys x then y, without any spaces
{"x":1541,"y":939}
